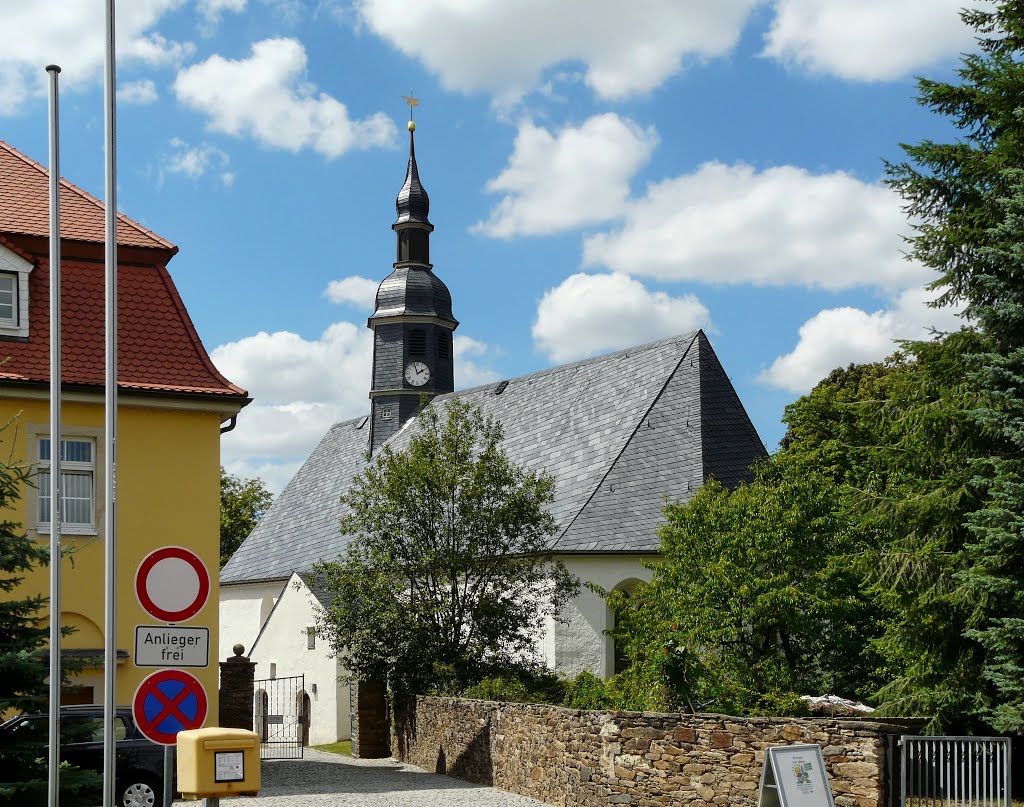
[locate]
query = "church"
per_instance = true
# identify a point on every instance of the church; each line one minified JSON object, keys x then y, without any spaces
{"x":621,"y":435}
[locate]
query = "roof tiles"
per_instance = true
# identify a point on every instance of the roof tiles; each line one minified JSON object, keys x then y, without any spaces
{"x":25,"y":207}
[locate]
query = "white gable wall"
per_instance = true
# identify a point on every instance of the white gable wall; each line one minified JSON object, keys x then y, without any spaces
{"x":580,"y":643}
{"x":242,"y":611}
{"x":283,"y":643}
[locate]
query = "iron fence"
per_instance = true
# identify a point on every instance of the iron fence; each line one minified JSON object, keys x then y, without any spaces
{"x":281,"y":716}
{"x":954,"y":771}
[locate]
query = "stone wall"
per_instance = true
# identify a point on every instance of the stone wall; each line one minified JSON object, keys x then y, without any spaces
{"x":565,"y":757}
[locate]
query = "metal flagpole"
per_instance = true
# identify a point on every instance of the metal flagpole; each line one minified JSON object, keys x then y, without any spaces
{"x":56,"y":502}
{"x":110,"y":405}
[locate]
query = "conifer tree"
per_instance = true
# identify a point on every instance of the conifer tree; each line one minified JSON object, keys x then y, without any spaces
{"x":968,"y":198}
{"x":23,"y":667}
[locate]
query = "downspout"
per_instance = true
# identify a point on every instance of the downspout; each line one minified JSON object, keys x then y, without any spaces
{"x":231,"y":424}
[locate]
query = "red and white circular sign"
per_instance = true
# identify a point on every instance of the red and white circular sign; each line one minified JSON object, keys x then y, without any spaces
{"x":172,"y":584}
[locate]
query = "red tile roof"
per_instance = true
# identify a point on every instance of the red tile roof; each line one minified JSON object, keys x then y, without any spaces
{"x":25,"y":206}
{"x":158,"y":348}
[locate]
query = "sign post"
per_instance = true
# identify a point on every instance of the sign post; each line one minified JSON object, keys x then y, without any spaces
{"x":794,"y":776}
{"x":172,"y":584}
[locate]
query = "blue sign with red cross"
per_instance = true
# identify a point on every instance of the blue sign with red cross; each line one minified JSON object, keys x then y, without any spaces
{"x":169,"y":701}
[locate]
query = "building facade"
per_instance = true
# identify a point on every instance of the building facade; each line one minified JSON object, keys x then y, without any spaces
{"x":172,"y":407}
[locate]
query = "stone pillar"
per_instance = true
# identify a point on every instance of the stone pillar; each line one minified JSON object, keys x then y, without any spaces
{"x":371,"y":729}
{"x":236,"y":690}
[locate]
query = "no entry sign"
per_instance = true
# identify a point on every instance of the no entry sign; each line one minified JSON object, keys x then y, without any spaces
{"x":172,"y":584}
{"x":167,"y":702}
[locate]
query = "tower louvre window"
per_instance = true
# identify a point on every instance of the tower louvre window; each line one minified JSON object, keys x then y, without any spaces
{"x":417,"y":342}
{"x":444,"y":345}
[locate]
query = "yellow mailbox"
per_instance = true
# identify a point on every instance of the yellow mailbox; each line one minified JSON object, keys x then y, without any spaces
{"x":214,"y":762}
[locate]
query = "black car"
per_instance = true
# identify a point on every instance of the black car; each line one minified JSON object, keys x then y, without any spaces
{"x":140,"y":763}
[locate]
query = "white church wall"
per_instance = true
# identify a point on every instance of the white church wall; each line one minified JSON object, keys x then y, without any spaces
{"x":242,"y":611}
{"x":284,"y":643}
{"x":578,"y":643}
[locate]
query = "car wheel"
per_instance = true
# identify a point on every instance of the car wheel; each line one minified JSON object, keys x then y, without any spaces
{"x":140,"y":791}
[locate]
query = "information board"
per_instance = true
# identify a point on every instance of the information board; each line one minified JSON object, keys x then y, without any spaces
{"x":794,"y":776}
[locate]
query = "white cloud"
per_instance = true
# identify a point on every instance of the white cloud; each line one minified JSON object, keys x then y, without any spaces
{"x":836,"y":337}
{"x":266,"y":97}
{"x":867,"y":40}
{"x":70,"y":33}
{"x":213,"y":10}
{"x":194,"y":161}
{"x":733,"y":224}
{"x":502,"y":47}
{"x":469,"y":355}
{"x":300,"y":387}
{"x":354,"y":290}
{"x":590,"y":314}
{"x":137,"y":93}
{"x":578,"y":176}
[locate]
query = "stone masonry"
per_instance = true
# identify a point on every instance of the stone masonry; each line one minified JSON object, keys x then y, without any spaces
{"x":567,"y":757}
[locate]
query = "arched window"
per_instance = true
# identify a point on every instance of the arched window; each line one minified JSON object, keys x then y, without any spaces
{"x":619,"y":659}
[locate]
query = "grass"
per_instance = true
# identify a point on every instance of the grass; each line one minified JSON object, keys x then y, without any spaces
{"x":343,"y":747}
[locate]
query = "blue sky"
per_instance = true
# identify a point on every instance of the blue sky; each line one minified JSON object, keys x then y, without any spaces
{"x":601,"y":174}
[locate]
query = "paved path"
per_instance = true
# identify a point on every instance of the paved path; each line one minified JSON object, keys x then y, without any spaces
{"x":330,"y":780}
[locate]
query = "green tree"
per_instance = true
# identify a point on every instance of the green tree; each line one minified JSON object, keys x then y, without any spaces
{"x":752,"y":601}
{"x":242,"y":504}
{"x":448,"y":576}
{"x":24,"y":670}
{"x":995,"y":575}
{"x":966,"y":198}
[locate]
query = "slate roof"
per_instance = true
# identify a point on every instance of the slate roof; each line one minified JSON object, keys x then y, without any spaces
{"x":25,"y":207}
{"x":621,"y":434}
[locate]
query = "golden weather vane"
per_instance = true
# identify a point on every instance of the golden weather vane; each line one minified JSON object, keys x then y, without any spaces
{"x":412,"y":102}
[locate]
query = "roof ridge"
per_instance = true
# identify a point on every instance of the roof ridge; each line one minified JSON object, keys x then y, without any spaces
{"x":694,"y":336}
{"x":71,"y":186}
{"x":681,"y":337}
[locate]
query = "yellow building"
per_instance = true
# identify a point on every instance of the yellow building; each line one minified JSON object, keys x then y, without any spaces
{"x":173,"y":405}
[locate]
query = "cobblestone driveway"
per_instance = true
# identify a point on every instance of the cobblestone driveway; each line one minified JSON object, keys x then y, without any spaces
{"x":329,"y":780}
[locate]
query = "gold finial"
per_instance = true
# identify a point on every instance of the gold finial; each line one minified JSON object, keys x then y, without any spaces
{"x":411,"y":102}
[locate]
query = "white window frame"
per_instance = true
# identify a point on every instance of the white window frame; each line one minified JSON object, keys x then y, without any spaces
{"x":11,"y":263}
{"x":69,"y":468}
{"x":9,"y":284}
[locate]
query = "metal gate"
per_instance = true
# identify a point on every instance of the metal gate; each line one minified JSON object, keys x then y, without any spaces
{"x":281,"y":716}
{"x":948,"y":771}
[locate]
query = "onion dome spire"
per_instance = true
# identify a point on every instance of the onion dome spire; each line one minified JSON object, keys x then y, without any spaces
{"x":412,"y":204}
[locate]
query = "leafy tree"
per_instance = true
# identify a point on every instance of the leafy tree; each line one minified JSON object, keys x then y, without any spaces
{"x":448,"y":576}
{"x":242,"y":504}
{"x":751,"y":603}
{"x":24,"y":637}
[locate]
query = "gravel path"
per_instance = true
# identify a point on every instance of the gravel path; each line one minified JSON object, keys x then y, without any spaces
{"x":330,"y":780}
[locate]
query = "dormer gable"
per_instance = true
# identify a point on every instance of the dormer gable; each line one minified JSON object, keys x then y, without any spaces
{"x":14,"y":302}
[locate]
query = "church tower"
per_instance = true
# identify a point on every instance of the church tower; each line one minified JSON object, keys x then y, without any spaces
{"x":412,"y":320}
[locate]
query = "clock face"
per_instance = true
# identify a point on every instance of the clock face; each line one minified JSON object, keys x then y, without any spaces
{"x":417,"y":373}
